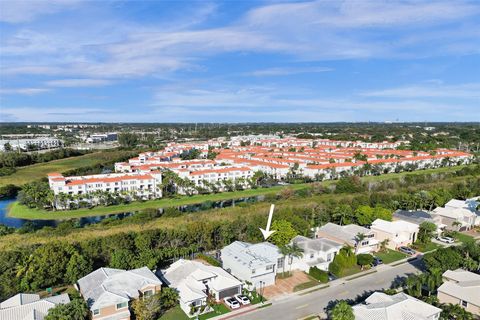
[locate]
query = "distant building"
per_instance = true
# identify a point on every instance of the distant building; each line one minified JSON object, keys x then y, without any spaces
{"x":380,"y":306}
{"x":461,"y":287}
{"x":40,"y":143}
{"x":25,"y":306}
{"x":102,"y":137}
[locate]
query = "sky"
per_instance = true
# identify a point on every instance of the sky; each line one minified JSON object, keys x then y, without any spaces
{"x":239,"y":61}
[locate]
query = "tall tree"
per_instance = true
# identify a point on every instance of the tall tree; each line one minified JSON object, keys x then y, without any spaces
{"x":342,"y":311}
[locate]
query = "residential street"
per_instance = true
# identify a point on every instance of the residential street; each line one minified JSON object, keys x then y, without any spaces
{"x":301,"y":306}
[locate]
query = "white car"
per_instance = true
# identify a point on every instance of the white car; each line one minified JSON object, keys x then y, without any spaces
{"x":242,"y":299}
{"x":445,"y":239}
{"x":232,"y":303}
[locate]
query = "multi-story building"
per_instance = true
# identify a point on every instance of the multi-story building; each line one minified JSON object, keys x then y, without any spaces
{"x":461,"y":287}
{"x":360,"y":238}
{"x":397,"y":233}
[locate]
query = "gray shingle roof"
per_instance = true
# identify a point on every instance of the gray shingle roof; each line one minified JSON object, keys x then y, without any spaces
{"x":105,"y":286}
{"x":380,"y":306}
{"x":29,"y":306}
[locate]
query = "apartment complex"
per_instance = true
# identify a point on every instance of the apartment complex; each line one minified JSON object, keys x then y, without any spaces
{"x":236,"y":160}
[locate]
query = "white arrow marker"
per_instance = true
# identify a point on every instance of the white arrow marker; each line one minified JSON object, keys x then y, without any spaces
{"x":267,"y":233}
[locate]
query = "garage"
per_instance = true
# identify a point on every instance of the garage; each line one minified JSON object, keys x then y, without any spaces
{"x":228,"y":292}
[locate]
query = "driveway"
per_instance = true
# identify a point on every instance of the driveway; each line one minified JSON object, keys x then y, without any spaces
{"x":301,"y":306}
{"x":286,"y":285}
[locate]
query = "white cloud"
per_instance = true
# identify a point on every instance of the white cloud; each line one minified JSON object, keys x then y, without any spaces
{"x":17,"y":11}
{"x":433,"y":90}
{"x":71,"y":83}
{"x":23,"y":91}
{"x":287,"y":71}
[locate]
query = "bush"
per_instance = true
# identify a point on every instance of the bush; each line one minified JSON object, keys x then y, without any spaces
{"x":211,"y":260}
{"x":318,"y":274}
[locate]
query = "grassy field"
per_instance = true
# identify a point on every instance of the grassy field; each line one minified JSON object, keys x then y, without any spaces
{"x":18,"y":211}
{"x":174,"y":314}
{"x":390,"y":256}
{"x":426,"y":247}
{"x":40,"y":170}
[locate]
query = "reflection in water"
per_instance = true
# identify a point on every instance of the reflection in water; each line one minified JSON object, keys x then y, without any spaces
{"x":17,"y":223}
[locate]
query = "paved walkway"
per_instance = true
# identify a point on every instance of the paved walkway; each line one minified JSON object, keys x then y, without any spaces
{"x":285,"y":285}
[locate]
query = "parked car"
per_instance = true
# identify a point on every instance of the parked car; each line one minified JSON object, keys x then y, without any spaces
{"x":407,"y":250}
{"x":331,"y":277}
{"x":242,"y":299}
{"x":445,"y":239}
{"x":377,"y":261}
{"x":232,"y":303}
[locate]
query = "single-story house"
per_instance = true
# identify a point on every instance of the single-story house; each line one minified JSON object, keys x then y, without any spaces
{"x":317,"y":252}
{"x":418,"y":217}
{"x":108,"y":291}
{"x":401,"y":306}
{"x":26,"y":306}
{"x":399,"y":233}
{"x":348,"y":235}
{"x":461,"y":287}
{"x":196,"y":281}
{"x":256,"y":263}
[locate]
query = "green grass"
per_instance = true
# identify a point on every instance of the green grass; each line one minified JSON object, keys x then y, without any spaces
{"x":40,"y":170}
{"x":426,"y":247}
{"x":306,"y":285}
{"x":218,"y":309}
{"x":18,"y":211}
{"x":463,"y":237}
{"x":390,"y":256}
{"x":351,"y":271}
{"x":174,"y":314}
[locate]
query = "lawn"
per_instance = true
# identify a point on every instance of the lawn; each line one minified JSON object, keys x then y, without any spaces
{"x":19,"y":211}
{"x":463,"y":237}
{"x":390,"y":256}
{"x":426,"y":247}
{"x":306,"y":285}
{"x":40,"y":170}
{"x":351,"y":271}
{"x":174,"y":314}
{"x":218,"y":309}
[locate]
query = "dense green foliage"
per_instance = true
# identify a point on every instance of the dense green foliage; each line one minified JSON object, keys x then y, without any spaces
{"x":318,"y":274}
{"x":342,"y":311}
{"x":284,"y":232}
{"x":9,"y":191}
{"x":364,"y":259}
{"x":18,"y":159}
{"x":76,"y":309}
{"x":128,"y":140}
{"x":344,"y":259}
{"x":426,"y":232}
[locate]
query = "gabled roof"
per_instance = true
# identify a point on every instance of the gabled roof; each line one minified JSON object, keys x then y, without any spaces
{"x":188,"y":276}
{"x":462,"y":284}
{"x":105,"y":286}
{"x":28,"y":307}
{"x":394,"y":226}
{"x":346,"y":233}
{"x":380,"y":306}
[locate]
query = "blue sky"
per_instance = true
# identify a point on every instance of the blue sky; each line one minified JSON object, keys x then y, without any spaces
{"x":239,"y":61}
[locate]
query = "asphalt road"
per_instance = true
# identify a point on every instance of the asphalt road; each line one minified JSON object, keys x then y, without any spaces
{"x":301,"y":306}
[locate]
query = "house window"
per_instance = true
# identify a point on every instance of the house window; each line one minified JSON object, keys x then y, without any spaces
{"x":464,"y":303}
{"x":329,"y":257}
{"x":253,"y":271}
{"x":148,"y":293}
{"x":270,"y":267}
{"x":122,"y":305}
{"x":311,"y":255}
{"x":96,"y":312}
{"x":280,"y":263}
{"x":364,"y":243}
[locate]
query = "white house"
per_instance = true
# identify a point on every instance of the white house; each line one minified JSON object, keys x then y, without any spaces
{"x":455,"y":218}
{"x":316,"y":253}
{"x":399,"y":233}
{"x":380,"y":306}
{"x":256,"y":263}
{"x":461,"y":287}
{"x":469,"y":204}
{"x":349,"y":235}
{"x":25,"y":306}
{"x":195,"y":282}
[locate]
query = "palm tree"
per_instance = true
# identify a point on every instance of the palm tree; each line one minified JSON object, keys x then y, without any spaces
{"x":384,"y":244}
{"x":285,"y":251}
{"x":414,"y":286}
{"x":295,"y":252}
{"x":359,"y":238}
{"x":342,"y":311}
